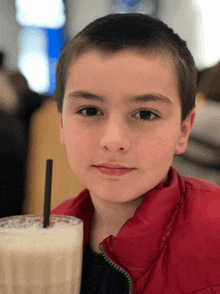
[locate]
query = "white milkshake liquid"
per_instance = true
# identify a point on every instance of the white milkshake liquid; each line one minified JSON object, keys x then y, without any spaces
{"x":41,"y":260}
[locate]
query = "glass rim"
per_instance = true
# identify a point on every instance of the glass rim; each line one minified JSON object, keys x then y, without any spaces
{"x":77,"y":221}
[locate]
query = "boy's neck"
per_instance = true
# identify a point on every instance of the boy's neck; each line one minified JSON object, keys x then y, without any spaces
{"x":109,"y":216}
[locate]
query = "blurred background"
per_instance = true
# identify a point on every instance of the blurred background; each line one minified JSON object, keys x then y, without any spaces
{"x":32,"y":34}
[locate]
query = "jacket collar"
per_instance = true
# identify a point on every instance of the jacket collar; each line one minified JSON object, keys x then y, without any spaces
{"x":141,"y":239}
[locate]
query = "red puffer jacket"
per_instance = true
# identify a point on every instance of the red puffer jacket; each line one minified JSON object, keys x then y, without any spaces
{"x":172,"y":243}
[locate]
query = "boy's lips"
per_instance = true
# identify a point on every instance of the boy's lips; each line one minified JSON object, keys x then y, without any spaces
{"x":113,"y":166}
{"x":113,"y":169}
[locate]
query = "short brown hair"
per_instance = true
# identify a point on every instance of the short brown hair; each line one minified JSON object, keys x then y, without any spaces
{"x":116,"y":32}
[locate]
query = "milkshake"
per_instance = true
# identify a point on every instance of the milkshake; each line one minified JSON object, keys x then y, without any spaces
{"x":39,"y":260}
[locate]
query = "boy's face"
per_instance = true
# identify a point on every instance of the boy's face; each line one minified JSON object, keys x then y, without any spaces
{"x":142,"y":135}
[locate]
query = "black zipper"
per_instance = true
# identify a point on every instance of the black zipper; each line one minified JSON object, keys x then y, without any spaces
{"x":118,"y":268}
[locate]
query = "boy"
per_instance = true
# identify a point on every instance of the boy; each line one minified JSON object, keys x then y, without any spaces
{"x":125,"y":93}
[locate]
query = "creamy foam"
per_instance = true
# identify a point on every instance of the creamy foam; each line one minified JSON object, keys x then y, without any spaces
{"x":61,"y":235}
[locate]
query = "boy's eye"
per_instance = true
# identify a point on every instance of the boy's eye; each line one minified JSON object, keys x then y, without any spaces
{"x":147,"y":115}
{"x":89,"y":111}
{"x":144,"y":114}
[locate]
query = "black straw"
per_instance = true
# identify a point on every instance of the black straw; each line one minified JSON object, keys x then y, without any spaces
{"x":47,"y":195}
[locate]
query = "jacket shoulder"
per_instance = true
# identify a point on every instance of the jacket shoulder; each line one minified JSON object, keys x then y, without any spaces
{"x":194,"y":245}
{"x":194,"y":184}
{"x":203,"y":202}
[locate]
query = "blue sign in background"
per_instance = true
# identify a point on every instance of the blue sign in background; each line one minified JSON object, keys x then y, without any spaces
{"x":55,"y":42}
{"x":130,"y":3}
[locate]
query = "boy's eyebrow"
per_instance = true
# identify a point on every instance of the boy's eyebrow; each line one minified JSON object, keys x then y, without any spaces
{"x":134,"y":99}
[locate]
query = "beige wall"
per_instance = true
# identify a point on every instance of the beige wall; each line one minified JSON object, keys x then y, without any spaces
{"x":44,"y":144}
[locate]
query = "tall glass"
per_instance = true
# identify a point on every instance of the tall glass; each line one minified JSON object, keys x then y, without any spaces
{"x":39,"y":260}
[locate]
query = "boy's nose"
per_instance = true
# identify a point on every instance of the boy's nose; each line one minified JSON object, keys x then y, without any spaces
{"x":115,"y":139}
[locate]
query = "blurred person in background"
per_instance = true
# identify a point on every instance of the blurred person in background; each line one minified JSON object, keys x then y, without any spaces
{"x":29,"y":101}
{"x":17,"y":103}
{"x":202,"y":156}
{"x":209,"y":83}
{"x":12,"y":148}
{"x":9,"y":101}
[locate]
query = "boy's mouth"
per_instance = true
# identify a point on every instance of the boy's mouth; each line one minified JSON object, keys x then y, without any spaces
{"x":113,"y":171}
{"x":113,"y":166}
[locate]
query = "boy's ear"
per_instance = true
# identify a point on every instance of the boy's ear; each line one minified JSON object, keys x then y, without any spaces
{"x":61,"y":128}
{"x":184,"y":132}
